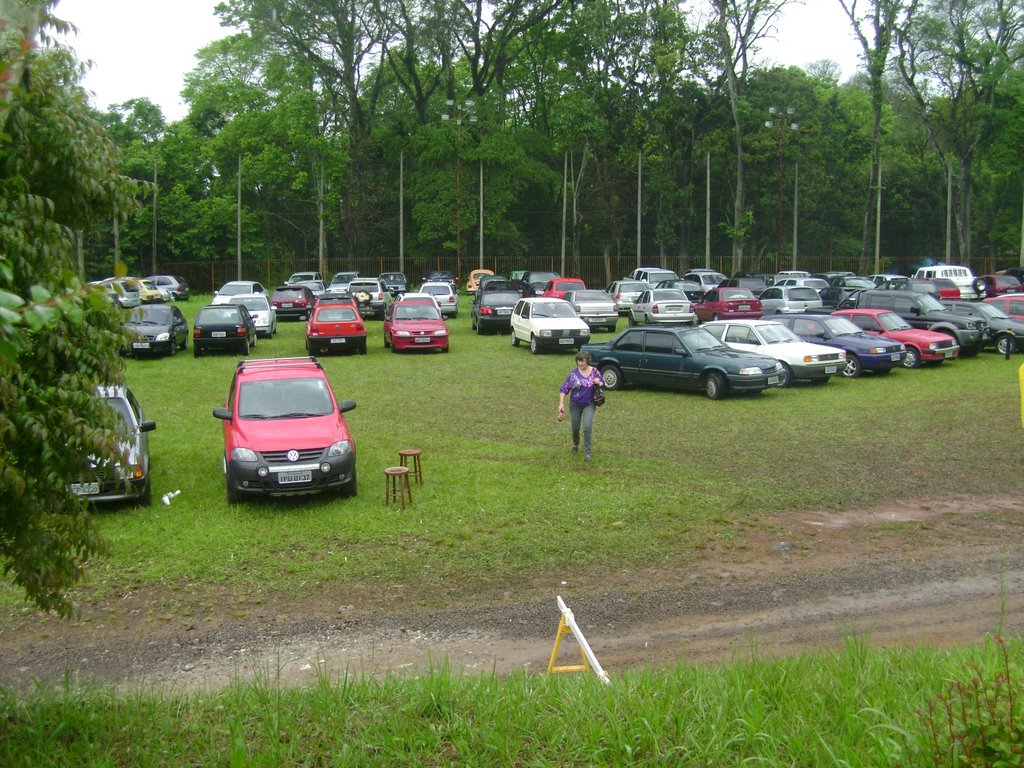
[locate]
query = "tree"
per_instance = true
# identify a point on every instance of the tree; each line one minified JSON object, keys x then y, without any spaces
{"x":57,"y":337}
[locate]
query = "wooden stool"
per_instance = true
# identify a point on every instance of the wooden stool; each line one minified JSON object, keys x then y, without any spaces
{"x":416,"y":469}
{"x":396,"y":485}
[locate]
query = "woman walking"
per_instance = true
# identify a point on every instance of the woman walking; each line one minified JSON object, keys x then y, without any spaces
{"x":580,"y":385}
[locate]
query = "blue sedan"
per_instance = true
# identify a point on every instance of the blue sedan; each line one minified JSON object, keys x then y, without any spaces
{"x":864,"y":352}
{"x":682,"y":358}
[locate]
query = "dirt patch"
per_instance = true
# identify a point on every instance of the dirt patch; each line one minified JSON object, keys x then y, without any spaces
{"x":937,"y":571}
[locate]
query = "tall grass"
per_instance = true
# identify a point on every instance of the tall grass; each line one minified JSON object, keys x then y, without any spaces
{"x":504,"y":502}
{"x":855,"y":708}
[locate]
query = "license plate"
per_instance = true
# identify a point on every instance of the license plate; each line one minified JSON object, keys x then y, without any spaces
{"x":744,"y":307}
{"x":566,"y":341}
{"x":85,"y":489}
{"x":773,"y":380}
{"x":295,"y":477}
{"x":895,"y":357}
{"x":338,"y":341}
{"x":422,"y":339}
{"x":831,"y":368}
{"x":219,"y":334}
{"x":948,"y":354}
{"x":140,"y":345}
{"x":504,"y":311}
{"x":287,"y":305}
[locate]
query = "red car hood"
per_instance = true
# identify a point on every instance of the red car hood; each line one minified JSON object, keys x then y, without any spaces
{"x":418,"y":326}
{"x":272,"y":435}
{"x":918,"y":336}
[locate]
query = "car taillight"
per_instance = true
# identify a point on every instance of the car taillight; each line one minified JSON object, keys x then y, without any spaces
{"x":618,"y":296}
{"x":312,"y":330}
{"x":656,"y":309}
{"x":196,"y":333}
{"x":486,"y":311}
{"x":451,"y":299}
{"x":241,"y":330}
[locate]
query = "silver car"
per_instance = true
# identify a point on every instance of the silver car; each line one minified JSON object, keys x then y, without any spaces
{"x":263,"y":313}
{"x":625,"y":292}
{"x":595,"y":308}
{"x":662,"y":306}
{"x":785,"y":299}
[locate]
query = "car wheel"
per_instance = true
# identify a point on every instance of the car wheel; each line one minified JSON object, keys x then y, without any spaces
{"x":387,"y":341}
{"x":146,"y":497}
{"x":714,"y":315}
{"x":245,"y":348}
{"x":172,"y":350}
{"x":350,"y":489}
{"x":233,"y":494}
{"x":515,"y":339}
{"x":195,"y":350}
{"x":714,"y":386}
{"x":534,"y":345}
{"x":852,"y":369}
{"x":611,"y":328}
{"x":362,"y":349}
{"x":612,"y":377}
{"x":184,"y":343}
{"x":1005,"y":345}
{"x":912,"y":358}
{"x":632,"y":320}
{"x":787,"y":376}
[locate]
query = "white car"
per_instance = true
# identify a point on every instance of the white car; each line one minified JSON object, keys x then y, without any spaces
{"x":596,"y":308}
{"x":445,"y":295}
{"x":548,"y":324}
{"x":662,"y":305}
{"x":800,"y":359}
{"x":236,"y":288}
{"x":263,"y":314}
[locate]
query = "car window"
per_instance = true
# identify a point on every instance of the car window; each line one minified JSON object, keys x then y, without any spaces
{"x":699,"y":340}
{"x":336,"y":314}
{"x":811,"y":328}
{"x":739,"y":334}
{"x":630,"y":341}
{"x":1016,"y":308}
{"x":661,"y":343}
{"x":284,"y":398}
{"x":803,"y":294}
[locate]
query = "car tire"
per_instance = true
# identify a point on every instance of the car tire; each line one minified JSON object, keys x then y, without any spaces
{"x":234,"y":496}
{"x":1006,"y":345}
{"x":787,"y":376}
{"x":184,"y":343}
{"x":714,"y":315}
{"x":515,"y":339}
{"x":714,"y":386}
{"x":351,"y":488}
{"x":146,"y":497}
{"x":195,"y":350}
{"x":853,"y":368}
{"x":246,"y":348}
{"x":632,"y":320}
{"x":611,"y":328}
{"x":612,"y":376}
{"x":912,"y":359}
{"x":534,"y":345}
{"x":979,"y":287}
{"x":362,"y":349}
{"x":172,"y":350}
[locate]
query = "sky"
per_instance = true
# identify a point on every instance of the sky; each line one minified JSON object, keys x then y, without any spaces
{"x":145,"y":47}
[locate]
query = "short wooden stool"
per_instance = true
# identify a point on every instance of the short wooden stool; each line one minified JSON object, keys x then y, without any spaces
{"x":396,"y":485}
{"x":416,"y":469}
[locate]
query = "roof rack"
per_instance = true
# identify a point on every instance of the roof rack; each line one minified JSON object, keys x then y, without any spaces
{"x":277,"y":362}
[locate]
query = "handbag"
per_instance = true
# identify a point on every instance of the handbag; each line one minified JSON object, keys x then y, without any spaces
{"x":599,"y":396}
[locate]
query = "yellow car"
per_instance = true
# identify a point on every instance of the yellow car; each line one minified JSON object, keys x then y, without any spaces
{"x":474,"y":279}
{"x":148,"y":293}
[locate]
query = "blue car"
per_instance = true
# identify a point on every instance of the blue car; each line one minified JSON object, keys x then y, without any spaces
{"x":864,"y":352}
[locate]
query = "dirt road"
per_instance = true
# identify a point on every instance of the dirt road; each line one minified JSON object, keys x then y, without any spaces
{"x":933,"y":571}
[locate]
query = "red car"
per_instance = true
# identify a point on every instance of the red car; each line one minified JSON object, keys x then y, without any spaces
{"x":1012,"y":304}
{"x":922,"y":346}
{"x":293,"y":301}
{"x":556,"y":289}
{"x":996,"y":285}
{"x":947,"y":288}
{"x":415,"y":324}
{"x":284,"y":432}
{"x":728,"y":304}
{"x":335,"y":327}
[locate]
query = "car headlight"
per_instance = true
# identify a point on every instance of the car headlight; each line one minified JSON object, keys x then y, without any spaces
{"x":402,"y":333}
{"x":243,"y":454}
{"x":933,"y":345}
{"x":440,"y":332}
{"x":340,"y":448}
{"x":811,"y":358}
{"x":163,"y":336}
{"x":545,"y":332}
{"x":750,"y":371}
{"x":878,"y":350}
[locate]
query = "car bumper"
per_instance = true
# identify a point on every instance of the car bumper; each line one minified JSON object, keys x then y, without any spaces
{"x":739,"y":383}
{"x":931,"y":356}
{"x":419,"y":342}
{"x":686,"y":319}
{"x":881,"y":362}
{"x":100,"y":491}
{"x":500,"y":322}
{"x":449,"y":310}
{"x":606,"y":319}
{"x":148,"y":347}
{"x":817,"y":371}
{"x":336,"y":343}
{"x":562,"y":342}
{"x":245,"y":477}
{"x":292,"y":312}
{"x":229,"y":342}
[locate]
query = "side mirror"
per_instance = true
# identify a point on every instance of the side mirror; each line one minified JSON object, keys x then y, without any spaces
{"x":346,"y":405}
{"x":222,"y":413}
{"x":147,"y":426}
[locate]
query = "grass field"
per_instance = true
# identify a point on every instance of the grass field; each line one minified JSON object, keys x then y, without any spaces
{"x":504,"y":500}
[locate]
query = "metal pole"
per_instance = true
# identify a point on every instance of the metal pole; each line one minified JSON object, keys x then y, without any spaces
{"x":639,"y":192}
{"x":707,"y":212}
{"x":401,"y":210}
{"x":796,"y":205}
{"x":238,"y":219}
{"x":565,"y":205}
{"x":949,"y":211}
{"x":878,"y":223}
{"x":481,"y":213}
{"x":156,"y":193}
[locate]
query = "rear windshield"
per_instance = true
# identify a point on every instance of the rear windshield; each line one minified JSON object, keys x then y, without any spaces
{"x":803,"y":294}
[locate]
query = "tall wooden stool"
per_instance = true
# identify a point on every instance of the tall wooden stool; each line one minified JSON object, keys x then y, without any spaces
{"x":416,"y":469}
{"x":396,"y":485}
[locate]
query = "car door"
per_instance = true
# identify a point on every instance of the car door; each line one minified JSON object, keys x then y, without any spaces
{"x":518,"y":320}
{"x":771,"y":300}
{"x":660,"y":364}
{"x":741,"y":337}
{"x":179,"y":326}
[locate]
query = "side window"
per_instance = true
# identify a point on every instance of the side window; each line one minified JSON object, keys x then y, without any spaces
{"x":715,"y":330}
{"x":808,"y":328}
{"x":1015,"y":308}
{"x":659,"y":343}
{"x":865,"y":322}
{"x":518,"y":311}
{"x":738,"y":334}
{"x":630,"y":342}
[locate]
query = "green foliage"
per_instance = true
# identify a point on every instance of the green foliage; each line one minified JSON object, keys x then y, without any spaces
{"x":58,"y":339}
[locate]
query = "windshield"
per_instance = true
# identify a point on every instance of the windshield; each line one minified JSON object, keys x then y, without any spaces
{"x":409,"y":311}
{"x":840,"y":326}
{"x":591,"y":296}
{"x":803,"y":294}
{"x":553,"y":309}
{"x":669,"y":294}
{"x":776,"y":333}
{"x":253,"y":303}
{"x":991,"y":311}
{"x":735,"y":293}
{"x":700,"y":340}
{"x":930,"y":303}
{"x":284,"y":398}
{"x":232,"y":288}
{"x":150,"y":314}
{"x":893,"y":322}
{"x":336,"y":314}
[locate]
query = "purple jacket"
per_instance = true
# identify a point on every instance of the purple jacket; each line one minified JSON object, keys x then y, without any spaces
{"x":580,"y":388}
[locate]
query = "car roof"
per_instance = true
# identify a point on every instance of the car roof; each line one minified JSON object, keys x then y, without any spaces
{"x":280,"y":368}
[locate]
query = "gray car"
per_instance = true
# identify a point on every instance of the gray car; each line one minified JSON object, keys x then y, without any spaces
{"x":625,"y":292}
{"x":668,"y":306}
{"x":595,"y":308}
{"x":786,"y":299}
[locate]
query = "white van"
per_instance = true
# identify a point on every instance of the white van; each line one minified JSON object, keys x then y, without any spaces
{"x":962,"y":276}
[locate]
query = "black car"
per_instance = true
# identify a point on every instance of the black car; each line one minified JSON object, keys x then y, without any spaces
{"x":295,"y":301}
{"x":394,"y":282}
{"x":157,"y":329}
{"x":127,"y":480}
{"x":443,"y":276}
{"x":492,"y":310}
{"x":1005,"y":333}
{"x":538,"y":280}
{"x":223,"y":326}
{"x":682,"y":358}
